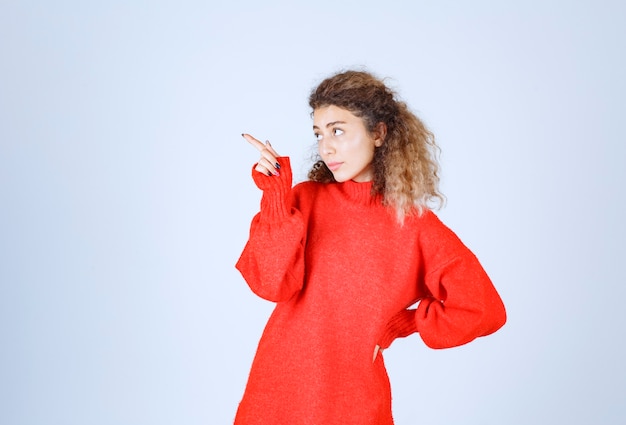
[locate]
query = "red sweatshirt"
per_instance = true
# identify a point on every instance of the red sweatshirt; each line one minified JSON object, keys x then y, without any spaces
{"x":343,"y":273}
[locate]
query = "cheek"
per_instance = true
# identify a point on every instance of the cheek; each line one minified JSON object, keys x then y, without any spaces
{"x":366,"y":152}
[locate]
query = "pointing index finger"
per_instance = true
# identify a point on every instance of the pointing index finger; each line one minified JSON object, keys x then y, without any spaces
{"x":254,"y":142}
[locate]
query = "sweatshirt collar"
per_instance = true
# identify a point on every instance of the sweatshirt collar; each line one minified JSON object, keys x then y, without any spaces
{"x":360,"y":193}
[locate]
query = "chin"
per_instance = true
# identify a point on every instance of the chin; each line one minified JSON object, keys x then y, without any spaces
{"x":340,"y":179}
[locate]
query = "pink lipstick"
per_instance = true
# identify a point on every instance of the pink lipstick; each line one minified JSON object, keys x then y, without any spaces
{"x":334,"y":166}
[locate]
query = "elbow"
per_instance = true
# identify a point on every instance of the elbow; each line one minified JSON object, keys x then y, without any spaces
{"x":496,"y":319}
{"x":493,"y":317}
{"x":461,"y":327}
{"x":267,"y":282}
{"x":274,"y":293}
{"x":271,"y":289}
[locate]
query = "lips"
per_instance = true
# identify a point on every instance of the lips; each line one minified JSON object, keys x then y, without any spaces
{"x":334,"y":166}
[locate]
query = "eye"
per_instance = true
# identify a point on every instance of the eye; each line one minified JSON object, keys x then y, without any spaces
{"x":337,"y":131}
{"x":318,"y":137}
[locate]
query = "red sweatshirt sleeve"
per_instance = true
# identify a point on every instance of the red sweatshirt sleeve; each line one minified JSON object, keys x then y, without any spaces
{"x":463,"y":305}
{"x":272,"y":262}
{"x":460,"y":302}
{"x":401,"y":325}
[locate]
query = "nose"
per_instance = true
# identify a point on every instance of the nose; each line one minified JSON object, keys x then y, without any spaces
{"x":326,"y":148}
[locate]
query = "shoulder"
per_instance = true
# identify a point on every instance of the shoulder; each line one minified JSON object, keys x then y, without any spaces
{"x":427,"y":219}
{"x":305,"y":192}
{"x":433,"y":231}
{"x":308,"y":188}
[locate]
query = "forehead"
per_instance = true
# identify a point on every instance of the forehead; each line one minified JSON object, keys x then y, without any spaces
{"x":330,"y":114}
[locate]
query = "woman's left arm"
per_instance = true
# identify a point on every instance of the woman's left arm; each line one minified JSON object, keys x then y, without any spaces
{"x":458,"y":301}
{"x":461,"y":304}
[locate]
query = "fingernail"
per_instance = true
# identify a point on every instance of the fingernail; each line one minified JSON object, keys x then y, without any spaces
{"x":269,"y":174}
{"x":277,"y":165}
{"x":276,"y":173}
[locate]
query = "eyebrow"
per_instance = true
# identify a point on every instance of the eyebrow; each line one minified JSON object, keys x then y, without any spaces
{"x":330,"y":124}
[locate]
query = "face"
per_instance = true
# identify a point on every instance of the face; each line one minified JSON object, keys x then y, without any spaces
{"x":344,"y":143}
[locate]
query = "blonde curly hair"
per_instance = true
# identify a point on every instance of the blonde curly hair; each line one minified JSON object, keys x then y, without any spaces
{"x":406,"y":171}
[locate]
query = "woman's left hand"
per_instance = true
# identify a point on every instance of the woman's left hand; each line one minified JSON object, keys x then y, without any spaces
{"x":377,"y":350}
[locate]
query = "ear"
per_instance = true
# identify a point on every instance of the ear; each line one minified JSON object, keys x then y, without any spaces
{"x":379,"y":133}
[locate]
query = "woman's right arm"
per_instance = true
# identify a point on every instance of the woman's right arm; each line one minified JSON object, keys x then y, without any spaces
{"x":272,"y":262}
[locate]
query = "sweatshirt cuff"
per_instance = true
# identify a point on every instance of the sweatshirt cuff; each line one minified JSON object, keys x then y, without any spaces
{"x":401,"y":325}
{"x":276,"y":202}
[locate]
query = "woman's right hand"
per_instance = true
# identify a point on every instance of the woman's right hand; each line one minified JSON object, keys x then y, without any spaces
{"x":268,"y":163}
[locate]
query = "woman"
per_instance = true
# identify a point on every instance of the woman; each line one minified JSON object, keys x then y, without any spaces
{"x":346,"y":255}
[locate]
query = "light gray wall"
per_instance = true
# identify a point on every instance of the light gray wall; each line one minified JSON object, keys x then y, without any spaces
{"x":126,"y":198}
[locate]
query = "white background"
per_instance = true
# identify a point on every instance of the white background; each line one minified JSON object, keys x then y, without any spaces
{"x":126,"y":198}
